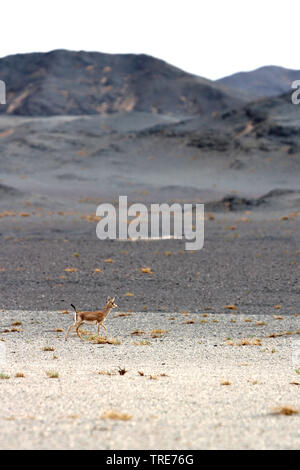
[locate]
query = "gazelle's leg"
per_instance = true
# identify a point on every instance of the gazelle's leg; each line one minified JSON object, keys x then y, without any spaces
{"x":105,"y":329}
{"x":98,"y":329}
{"x":79,"y":323}
{"x":69,"y":329}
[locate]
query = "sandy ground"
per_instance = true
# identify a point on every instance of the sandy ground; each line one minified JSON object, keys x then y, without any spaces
{"x":179,"y":403}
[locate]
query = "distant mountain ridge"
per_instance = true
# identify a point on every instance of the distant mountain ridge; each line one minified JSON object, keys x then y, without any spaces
{"x":65,"y":82}
{"x":263,"y":82}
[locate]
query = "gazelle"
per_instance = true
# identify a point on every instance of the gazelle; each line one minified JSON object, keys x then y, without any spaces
{"x":97,"y":317}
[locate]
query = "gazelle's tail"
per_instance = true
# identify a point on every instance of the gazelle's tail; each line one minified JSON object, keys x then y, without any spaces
{"x":75,"y":314}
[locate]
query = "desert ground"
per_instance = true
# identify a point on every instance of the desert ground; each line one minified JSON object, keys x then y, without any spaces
{"x":168,"y":381}
{"x":203,"y":348}
{"x":209,"y":339}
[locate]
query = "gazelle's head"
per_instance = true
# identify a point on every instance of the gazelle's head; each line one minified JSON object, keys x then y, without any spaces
{"x":111,"y":303}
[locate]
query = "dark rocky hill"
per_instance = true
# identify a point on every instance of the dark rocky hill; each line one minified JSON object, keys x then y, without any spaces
{"x":75,"y":83}
{"x":262,"y":82}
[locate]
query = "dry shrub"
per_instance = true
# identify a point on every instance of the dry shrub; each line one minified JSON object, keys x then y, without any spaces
{"x":286,"y":410}
{"x":122,"y":371}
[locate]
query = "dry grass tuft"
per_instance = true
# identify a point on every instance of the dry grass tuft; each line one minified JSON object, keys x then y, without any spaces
{"x":230,"y":307}
{"x":245,"y":342}
{"x":146,"y":270}
{"x":16,"y":323}
{"x":285,"y":410}
{"x":141,"y":373}
{"x":4,"y":376}
{"x":122,"y":315}
{"x":52,"y":374}
{"x":48,"y":348}
{"x":104,"y":372}
{"x":100,"y":340}
{"x":19,"y":375}
{"x":142,"y":343}
{"x":249,"y":342}
{"x":122,"y":371}
{"x":156,"y":333}
{"x":116,"y":415}
{"x":137,"y":333}
{"x":225,"y":382}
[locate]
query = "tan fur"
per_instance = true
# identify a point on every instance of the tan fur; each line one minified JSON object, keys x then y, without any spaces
{"x":97,"y":317}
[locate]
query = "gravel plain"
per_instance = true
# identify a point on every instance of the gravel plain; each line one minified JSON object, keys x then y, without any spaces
{"x":200,"y":388}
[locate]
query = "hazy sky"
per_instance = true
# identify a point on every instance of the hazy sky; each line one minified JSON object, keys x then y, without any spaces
{"x":212,"y":38}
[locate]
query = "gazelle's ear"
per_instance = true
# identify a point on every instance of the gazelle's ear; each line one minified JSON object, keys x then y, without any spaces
{"x":113,"y":299}
{"x":108,"y":298}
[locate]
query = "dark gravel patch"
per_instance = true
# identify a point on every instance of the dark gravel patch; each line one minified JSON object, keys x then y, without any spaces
{"x":254,"y":266}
